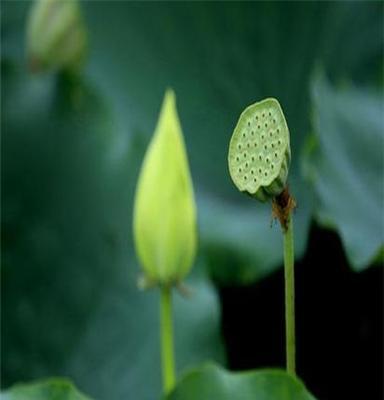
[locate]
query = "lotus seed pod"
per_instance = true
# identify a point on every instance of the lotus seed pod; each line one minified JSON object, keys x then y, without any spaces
{"x":259,"y":151}
{"x":164,"y":219}
{"x":56,"y":36}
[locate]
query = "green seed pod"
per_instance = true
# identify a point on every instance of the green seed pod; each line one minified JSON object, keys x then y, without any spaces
{"x":259,"y":151}
{"x":56,"y":36}
{"x":164,"y":219}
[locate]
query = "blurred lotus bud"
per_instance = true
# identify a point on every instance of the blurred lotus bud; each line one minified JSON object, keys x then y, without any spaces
{"x":259,"y":151}
{"x":56,"y":36}
{"x":164,"y":220}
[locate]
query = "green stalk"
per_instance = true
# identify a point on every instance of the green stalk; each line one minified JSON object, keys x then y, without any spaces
{"x":289,"y":275}
{"x":167,"y":357}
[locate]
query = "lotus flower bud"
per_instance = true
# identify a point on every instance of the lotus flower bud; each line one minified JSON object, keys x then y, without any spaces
{"x":259,"y":151}
{"x":164,"y":220}
{"x":56,"y":36}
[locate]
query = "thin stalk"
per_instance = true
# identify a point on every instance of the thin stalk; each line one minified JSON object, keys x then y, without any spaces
{"x":289,"y":275}
{"x":167,"y":356}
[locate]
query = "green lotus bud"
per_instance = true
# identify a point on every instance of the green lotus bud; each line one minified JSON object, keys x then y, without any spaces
{"x":164,"y":220}
{"x":259,"y":152}
{"x":56,"y":36}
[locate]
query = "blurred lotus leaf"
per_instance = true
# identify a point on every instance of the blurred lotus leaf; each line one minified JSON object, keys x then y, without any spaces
{"x":345,"y":164}
{"x":213,"y":382}
{"x":50,"y":389}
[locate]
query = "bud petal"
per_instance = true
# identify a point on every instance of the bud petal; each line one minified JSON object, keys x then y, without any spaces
{"x":259,"y":151}
{"x":164,"y":220}
{"x":56,"y":36}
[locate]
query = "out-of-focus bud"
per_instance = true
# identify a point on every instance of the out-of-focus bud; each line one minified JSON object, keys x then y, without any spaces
{"x":164,"y":220}
{"x":259,"y":151}
{"x":56,"y":35}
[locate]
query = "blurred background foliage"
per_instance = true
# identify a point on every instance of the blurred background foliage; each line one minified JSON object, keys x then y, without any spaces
{"x":48,"y":389}
{"x":72,"y":147}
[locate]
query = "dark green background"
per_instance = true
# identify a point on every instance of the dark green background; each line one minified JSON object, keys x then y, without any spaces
{"x":72,"y":148}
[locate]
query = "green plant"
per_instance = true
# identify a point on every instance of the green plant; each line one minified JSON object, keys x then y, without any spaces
{"x":84,"y":159}
{"x":164,"y":221}
{"x":56,"y":35}
{"x":258,"y":158}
